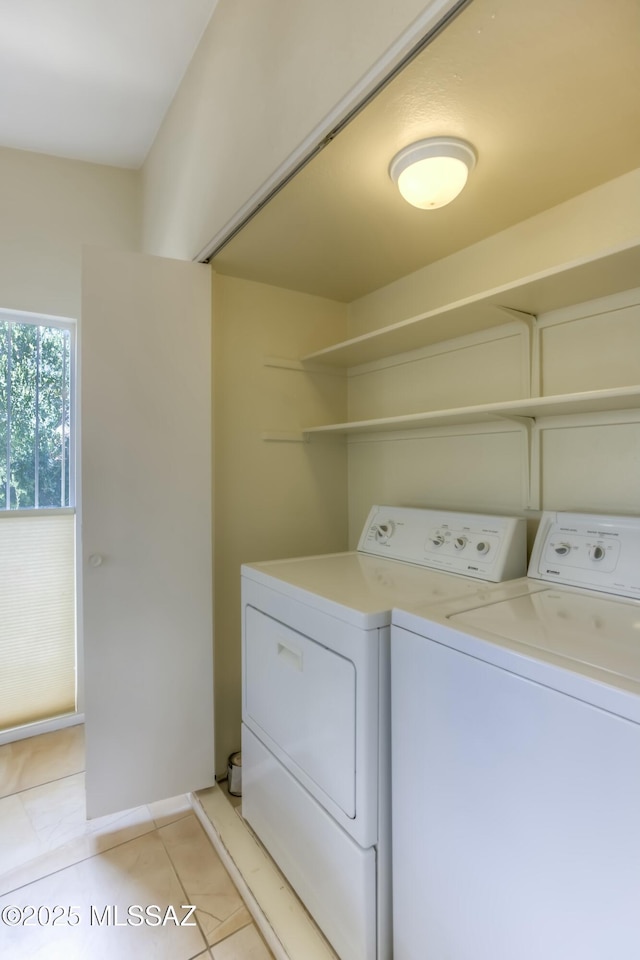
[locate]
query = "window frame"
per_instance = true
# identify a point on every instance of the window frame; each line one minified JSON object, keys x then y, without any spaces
{"x":70,"y":326}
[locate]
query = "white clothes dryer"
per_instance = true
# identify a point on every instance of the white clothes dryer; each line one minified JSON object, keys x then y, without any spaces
{"x":315,"y":734}
{"x":516,"y":758}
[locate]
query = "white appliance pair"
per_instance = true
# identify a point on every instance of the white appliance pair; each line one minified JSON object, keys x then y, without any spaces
{"x":516,"y":758}
{"x":316,"y":712}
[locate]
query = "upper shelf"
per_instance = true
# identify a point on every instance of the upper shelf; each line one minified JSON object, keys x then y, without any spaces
{"x":560,"y":287}
{"x":593,"y":401}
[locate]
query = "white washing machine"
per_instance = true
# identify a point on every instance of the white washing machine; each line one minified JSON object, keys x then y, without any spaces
{"x":516,"y":758}
{"x":315,"y":735}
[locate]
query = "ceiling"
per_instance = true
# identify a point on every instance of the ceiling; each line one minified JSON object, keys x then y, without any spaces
{"x":92,"y":80}
{"x":547,"y":91}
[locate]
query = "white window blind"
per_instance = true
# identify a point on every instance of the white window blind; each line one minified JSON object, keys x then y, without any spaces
{"x":37,"y":521}
{"x":37,"y":616}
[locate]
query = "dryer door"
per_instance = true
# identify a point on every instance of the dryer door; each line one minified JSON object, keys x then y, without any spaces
{"x":300,"y":699}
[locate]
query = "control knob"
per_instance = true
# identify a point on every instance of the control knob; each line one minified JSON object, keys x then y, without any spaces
{"x":483,"y":547}
{"x":597,"y":552}
{"x":384,"y":531}
{"x":460,"y":543}
{"x":437,"y":538}
{"x":562,"y":549}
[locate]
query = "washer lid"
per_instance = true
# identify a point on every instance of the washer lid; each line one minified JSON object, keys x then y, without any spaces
{"x":587,"y":629}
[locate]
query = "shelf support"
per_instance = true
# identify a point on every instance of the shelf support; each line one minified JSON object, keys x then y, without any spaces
{"x":530,"y":321}
{"x":531,"y":468}
{"x":528,"y":318}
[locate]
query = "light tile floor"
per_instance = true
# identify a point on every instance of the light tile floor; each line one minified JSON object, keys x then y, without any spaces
{"x":52,"y":858}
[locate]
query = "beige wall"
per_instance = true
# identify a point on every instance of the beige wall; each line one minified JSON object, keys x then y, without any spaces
{"x":591,"y":463}
{"x":264,"y":80}
{"x":50,"y":207}
{"x":468,"y":467}
{"x":278,"y":499}
{"x":587,"y":463}
{"x":266,"y":74}
{"x":595,"y":221}
{"x":268,"y":80}
{"x":272,"y":499}
{"x":584,"y":463}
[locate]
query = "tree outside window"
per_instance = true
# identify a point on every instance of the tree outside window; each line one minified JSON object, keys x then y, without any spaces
{"x":35,"y":415}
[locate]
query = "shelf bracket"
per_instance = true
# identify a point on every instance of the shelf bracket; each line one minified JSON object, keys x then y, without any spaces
{"x":528,"y":318}
{"x":531,"y":467}
{"x":530,"y":321}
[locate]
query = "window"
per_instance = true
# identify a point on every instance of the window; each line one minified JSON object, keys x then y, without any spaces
{"x":36,"y":450}
{"x":37,"y":521}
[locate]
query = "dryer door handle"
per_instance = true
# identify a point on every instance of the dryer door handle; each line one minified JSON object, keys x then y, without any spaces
{"x":290,"y":655}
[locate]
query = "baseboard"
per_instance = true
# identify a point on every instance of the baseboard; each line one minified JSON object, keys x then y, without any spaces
{"x":287,"y":928}
{"x":42,"y":726}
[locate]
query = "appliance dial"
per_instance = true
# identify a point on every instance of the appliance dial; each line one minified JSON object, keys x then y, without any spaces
{"x":384,"y":531}
{"x":483,"y":547}
{"x":460,"y":543}
{"x":437,"y":538}
{"x":597,"y":552}
{"x":562,"y":549}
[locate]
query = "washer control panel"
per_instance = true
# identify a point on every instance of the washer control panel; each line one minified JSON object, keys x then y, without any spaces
{"x":593,"y":551}
{"x":472,"y":545}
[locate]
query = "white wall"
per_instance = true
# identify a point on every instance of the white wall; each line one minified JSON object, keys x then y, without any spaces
{"x":50,"y":207}
{"x":266,"y":74}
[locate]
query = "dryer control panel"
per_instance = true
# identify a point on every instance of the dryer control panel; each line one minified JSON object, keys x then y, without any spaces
{"x":473,"y":545}
{"x":591,"y":551}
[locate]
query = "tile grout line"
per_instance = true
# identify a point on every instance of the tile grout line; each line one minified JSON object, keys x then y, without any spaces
{"x":153,"y":826}
{"x":184,"y":890}
{"x":44,"y":876}
{"x":265,"y":929}
{"x":249,"y":923}
{"x":187,"y":894}
{"x":43,"y":783}
{"x":51,"y":873}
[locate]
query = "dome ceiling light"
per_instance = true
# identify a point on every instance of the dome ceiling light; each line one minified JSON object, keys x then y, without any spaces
{"x":431,"y":173}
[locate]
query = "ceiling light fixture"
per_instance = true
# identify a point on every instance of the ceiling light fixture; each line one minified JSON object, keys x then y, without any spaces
{"x":431,"y":173}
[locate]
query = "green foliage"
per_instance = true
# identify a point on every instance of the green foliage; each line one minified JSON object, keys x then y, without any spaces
{"x":34,"y":415}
